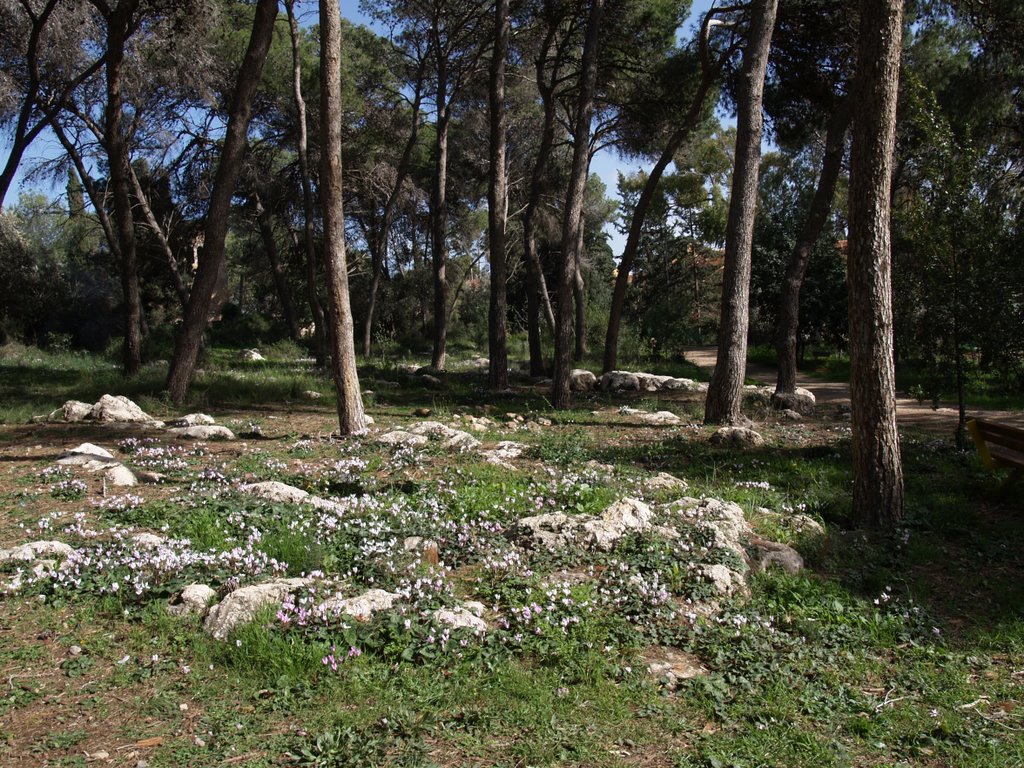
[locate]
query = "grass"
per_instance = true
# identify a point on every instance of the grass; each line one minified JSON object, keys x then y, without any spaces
{"x":898,"y":648}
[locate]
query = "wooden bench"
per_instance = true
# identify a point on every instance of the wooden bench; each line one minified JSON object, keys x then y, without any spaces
{"x":1000,"y":446}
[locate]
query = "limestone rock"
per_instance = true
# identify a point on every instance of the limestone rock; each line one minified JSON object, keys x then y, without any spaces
{"x":194,"y":600}
{"x":620,"y":381}
{"x":212,"y":432}
{"x":86,"y":453}
{"x":192,"y":420}
{"x":361,"y":607}
{"x":71,"y":411}
{"x":311,"y":394}
{"x":663,"y":481}
{"x":790,"y":415}
{"x":461,"y":442}
{"x":119,"y":409}
{"x":435,"y":430}
{"x":671,"y":665}
{"x":150,"y":540}
{"x":619,"y":519}
{"x":461,"y":617}
{"x":399,"y":437}
{"x":660,"y":418}
{"x":757,"y":395}
{"x":241,"y":606}
{"x":741,"y":437}
{"x":274,"y":491}
{"x":581,"y":380}
{"x":252,"y":356}
{"x":801,"y":400}
{"x":553,"y":530}
{"x":36,"y":550}
{"x":120,"y":475}
{"x":720,"y":577}
{"x":765,"y":554}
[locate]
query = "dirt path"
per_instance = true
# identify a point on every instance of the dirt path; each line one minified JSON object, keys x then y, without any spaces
{"x":908,"y":411}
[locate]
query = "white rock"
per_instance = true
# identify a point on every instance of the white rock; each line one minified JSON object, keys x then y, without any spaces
{"x":361,"y":607}
{"x":552,"y":530}
{"x":435,"y":430}
{"x":192,"y":420}
{"x":72,"y":410}
{"x":738,"y":436}
{"x":659,"y":418}
{"x":663,"y":481}
{"x":252,"y":356}
{"x":274,"y":491}
{"x":311,"y":394}
{"x":150,"y":540}
{"x":720,"y":577}
{"x":118,"y":408}
{"x":243,"y":604}
{"x":120,"y":475}
{"x":35,"y":550}
{"x":460,"y":618}
{"x":672,"y":665}
{"x":461,"y":441}
{"x":209,"y":432}
{"x":618,"y":520}
{"x":764,"y":554}
{"x":84,"y":453}
{"x":620,"y":381}
{"x":581,"y":380}
{"x":401,"y":437}
{"x":504,"y":451}
{"x":193,"y":600}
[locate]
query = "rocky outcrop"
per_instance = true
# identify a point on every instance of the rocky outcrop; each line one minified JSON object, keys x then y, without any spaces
{"x":119,"y":409}
{"x":738,"y":437}
{"x":556,"y":530}
{"x":242,"y":605}
{"x":192,"y":420}
{"x":399,"y":437}
{"x":36,"y":550}
{"x":194,"y":600}
{"x":628,"y":381}
{"x":362,"y":607}
{"x":465,"y":616}
{"x":211,"y":432}
{"x":581,"y":380}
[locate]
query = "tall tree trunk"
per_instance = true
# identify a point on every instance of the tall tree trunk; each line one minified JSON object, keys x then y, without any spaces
{"x":579,"y":295}
{"x":277,"y":271}
{"x":312,"y":297}
{"x":212,"y":258}
{"x":497,"y":206}
{"x":821,"y":206}
{"x":725,"y":390}
{"x":877,"y":466}
{"x":439,"y":229}
{"x":161,"y":238}
{"x":119,"y":23}
{"x":572,"y":223}
{"x":351,"y":419}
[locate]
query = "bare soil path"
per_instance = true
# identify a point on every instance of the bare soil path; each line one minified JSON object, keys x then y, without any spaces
{"x":908,"y":411}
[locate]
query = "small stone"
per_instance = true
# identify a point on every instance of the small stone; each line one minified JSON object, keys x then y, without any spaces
{"x":75,"y":650}
{"x":121,"y":476}
{"x":401,"y":437}
{"x":252,"y":356}
{"x":192,"y":420}
{"x":150,"y":540}
{"x":100,"y":754}
{"x":311,"y":394}
{"x":422,"y":412}
{"x":741,"y":437}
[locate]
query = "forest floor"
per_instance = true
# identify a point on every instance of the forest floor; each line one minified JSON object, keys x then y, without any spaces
{"x":903,"y":648}
{"x":909,"y":411}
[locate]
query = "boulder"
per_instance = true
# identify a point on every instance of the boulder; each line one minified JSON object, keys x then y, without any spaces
{"x":660,"y":418}
{"x":311,"y":394}
{"x":757,"y":395}
{"x":790,"y":415}
{"x":275,"y":492}
{"x":620,"y":381}
{"x":553,"y":530}
{"x":149,"y":540}
{"x":740,"y":437}
{"x":36,"y":550}
{"x":242,"y":605}
{"x":663,"y":481}
{"x":671,"y":665}
{"x":461,"y":617}
{"x":192,"y":420}
{"x":435,"y":430}
{"x":252,"y":356}
{"x":194,"y":600}
{"x":211,"y":432}
{"x":581,"y":380}
{"x":461,"y":442}
{"x":400,"y":437}
{"x":619,"y":519}
{"x":120,"y":475}
{"x":361,"y":607}
{"x":801,"y":400}
{"x":502,"y":452}
{"x":119,"y":409}
{"x":764,"y":554}
{"x":721,"y":578}
{"x":72,"y":410}
{"x":87,"y":453}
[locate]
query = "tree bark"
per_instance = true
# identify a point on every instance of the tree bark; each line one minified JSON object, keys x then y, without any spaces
{"x":119,"y":24}
{"x":172,"y":262}
{"x":277,"y":271}
{"x":877,"y":466}
{"x":439,"y":222}
{"x":351,"y":419}
{"x":561,"y":394}
{"x":212,"y":258}
{"x":821,"y":206}
{"x":579,"y":296}
{"x":725,"y":390}
{"x":497,"y":205}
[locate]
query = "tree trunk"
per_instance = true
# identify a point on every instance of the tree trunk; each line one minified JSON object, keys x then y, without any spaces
{"x":725,"y":390}
{"x":119,"y":22}
{"x":497,"y":206}
{"x":636,"y":223}
{"x":343,"y":352}
{"x":312,"y":297}
{"x":561,"y":394}
{"x":277,"y":271}
{"x":877,"y":467}
{"x":821,"y":206}
{"x":172,"y":262}
{"x":579,"y":295}
{"x":212,"y":259}
{"x":439,"y":219}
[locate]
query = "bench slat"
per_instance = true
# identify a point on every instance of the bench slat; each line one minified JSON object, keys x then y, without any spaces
{"x":999,"y":445}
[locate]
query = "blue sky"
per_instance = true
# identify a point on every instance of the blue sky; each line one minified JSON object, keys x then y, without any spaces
{"x":607,"y":164}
